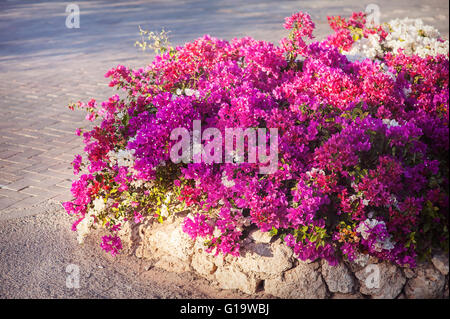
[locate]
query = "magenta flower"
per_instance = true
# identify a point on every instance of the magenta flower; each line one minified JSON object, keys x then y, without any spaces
{"x":111,"y":244}
{"x":362,"y":144}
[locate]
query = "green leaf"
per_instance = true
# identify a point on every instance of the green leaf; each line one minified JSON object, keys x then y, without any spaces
{"x":273,"y":231}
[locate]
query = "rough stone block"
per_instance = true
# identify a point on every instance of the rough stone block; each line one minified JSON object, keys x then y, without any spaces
{"x":381,"y":281}
{"x":301,"y":282}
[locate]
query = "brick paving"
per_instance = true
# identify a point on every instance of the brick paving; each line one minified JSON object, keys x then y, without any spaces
{"x":44,"y":66}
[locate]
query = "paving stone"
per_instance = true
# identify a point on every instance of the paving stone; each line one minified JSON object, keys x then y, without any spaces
{"x":19,"y":184}
{"x":27,"y":202}
{"x":13,"y":194}
{"x":6,"y":202}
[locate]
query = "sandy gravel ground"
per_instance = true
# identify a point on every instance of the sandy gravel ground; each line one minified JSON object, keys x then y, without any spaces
{"x":37,"y":246}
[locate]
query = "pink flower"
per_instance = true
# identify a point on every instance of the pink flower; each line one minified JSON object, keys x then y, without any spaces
{"x":357,"y":140}
{"x":138,"y":218}
{"x":77,"y":162}
{"x":301,"y":23}
{"x":198,"y":226}
{"x":111,"y":244}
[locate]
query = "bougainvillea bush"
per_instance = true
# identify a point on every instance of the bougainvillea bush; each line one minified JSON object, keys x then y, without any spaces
{"x":362,"y":146}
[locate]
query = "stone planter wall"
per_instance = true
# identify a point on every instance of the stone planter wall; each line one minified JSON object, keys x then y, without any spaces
{"x":266,"y":264}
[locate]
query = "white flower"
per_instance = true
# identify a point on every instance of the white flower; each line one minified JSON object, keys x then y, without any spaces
{"x":227,"y":182}
{"x":217,"y":232}
{"x":122,"y":157}
{"x":407,"y":92}
{"x":390,"y":123}
{"x":137,"y":183}
{"x":120,"y":115}
{"x":314,"y":170}
{"x":361,"y":259}
{"x":365,"y":48}
{"x":125,"y":158}
{"x":365,"y":228}
{"x":414,"y":37}
{"x":410,"y":35}
{"x":235,"y":156}
{"x":164,"y":212}
{"x":99,"y":204}
{"x":385,"y":244}
{"x":167,"y":199}
{"x":394,"y":201}
{"x":190,"y":92}
{"x":84,"y":227}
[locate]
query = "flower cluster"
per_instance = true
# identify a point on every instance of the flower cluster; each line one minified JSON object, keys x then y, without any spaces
{"x":409,"y":36}
{"x":300,"y":25}
{"x":363,"y":144}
